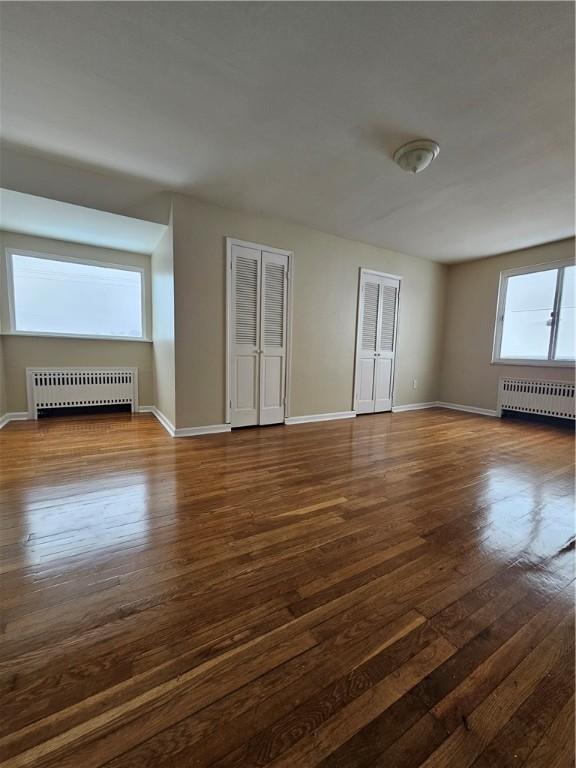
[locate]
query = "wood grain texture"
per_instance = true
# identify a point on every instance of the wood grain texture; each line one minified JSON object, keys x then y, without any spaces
{"x":394,"y":590}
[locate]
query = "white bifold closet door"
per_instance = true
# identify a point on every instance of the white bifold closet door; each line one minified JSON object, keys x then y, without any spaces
{"x":375,"y":348}
{"x":258,"y":333}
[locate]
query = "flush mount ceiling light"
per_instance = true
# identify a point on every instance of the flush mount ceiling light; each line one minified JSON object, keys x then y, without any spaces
{"x":416,"y":155}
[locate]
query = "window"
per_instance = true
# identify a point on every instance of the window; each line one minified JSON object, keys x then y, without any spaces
{"x":536,"y":316}
{"x":61,"y":296}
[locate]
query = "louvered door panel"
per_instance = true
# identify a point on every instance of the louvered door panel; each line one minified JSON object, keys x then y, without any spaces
{"x":273,"y":304}
{"x":370,"y":317}
{"x":368,"y":340}
{"x":388,"y":317}
{"x":246,"y":293}
{"x":384,"y":371}
{"x":273,"y":338}
{"x":245,"y":332}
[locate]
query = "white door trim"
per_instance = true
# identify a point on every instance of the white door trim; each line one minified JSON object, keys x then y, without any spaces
{"x":231,"y":241}
{"x":361,"y":273}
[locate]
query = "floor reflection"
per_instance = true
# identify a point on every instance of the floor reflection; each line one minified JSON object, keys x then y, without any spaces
{"x":524,"y":517}
{"x":120,"y":513}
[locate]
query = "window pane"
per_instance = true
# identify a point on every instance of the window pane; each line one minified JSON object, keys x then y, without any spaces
{"x":65,"y":297}
{"x":565,"y":342}
{"x":529,"y":304}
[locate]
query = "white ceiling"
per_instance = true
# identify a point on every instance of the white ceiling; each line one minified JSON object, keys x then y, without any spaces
{"x":62,"y":221}
{"x":294,"y":110}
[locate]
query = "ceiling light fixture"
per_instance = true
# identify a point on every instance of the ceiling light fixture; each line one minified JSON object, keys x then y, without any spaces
{"x":417,"y":155}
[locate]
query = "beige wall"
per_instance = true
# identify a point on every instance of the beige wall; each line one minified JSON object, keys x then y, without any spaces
{"x":468,"y":377}
{"x":324,"y":317}
{"x":36,"y":173}
{"x":445,"y":333}
{"x":23,"y":351}
{"x":163,"y":326}
{"x":3,"y":406}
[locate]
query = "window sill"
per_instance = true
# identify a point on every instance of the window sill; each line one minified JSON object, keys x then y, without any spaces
{"x":24,"y":334}
{"x":536,"y":363}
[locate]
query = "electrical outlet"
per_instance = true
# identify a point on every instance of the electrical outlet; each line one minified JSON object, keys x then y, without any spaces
{"x":414,"y":383}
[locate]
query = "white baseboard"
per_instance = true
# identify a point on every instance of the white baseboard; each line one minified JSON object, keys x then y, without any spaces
{"x":320,"y":417}
{"x":468,"y":409}
{"x":164,"y":420}
{"x":14,"y":416}
{"x":413,"y":407}
{"x":209,"y":429}
{"x":183,"y":431}
{"x":449,"y":406}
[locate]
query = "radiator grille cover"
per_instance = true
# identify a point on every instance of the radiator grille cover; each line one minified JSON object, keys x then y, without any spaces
{"x":76,"y":387}
{"x":547,"y":398}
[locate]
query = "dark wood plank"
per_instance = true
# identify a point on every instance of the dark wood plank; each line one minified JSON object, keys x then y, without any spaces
{"x":556,"y":749}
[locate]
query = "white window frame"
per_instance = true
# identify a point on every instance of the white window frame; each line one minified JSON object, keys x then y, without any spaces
{"x":12,"y":331}
{"x":550,"y":362}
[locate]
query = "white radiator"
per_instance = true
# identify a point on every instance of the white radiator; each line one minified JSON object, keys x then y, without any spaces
{"x":547,"y":398}
{"x":76,"y":387}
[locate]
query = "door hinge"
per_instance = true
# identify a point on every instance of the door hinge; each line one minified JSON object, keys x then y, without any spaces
{"x":230,"y":404}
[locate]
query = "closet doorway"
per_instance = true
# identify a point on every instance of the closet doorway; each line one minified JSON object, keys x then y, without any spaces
{"x":258,"y":333}
{"x":378,"y":298}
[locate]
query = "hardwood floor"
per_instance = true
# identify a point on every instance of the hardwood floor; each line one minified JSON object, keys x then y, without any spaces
{"x":386,"y":591}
